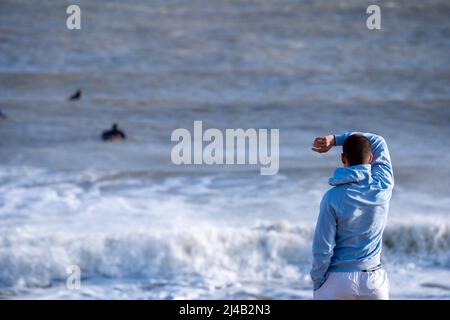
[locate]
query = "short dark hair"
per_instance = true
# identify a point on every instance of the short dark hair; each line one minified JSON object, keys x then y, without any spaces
{"x":357,"y":148}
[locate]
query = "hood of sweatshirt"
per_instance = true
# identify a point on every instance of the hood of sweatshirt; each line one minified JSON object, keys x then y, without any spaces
{"x":353,"y":174}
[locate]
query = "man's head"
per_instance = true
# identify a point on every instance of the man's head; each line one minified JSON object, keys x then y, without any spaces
{"x":356,"y":150}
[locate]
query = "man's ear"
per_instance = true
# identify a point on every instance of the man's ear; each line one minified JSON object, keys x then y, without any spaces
{"x":370,"y":157}
{"x":344,"y":159}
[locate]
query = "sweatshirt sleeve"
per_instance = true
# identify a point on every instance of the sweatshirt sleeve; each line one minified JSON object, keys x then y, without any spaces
{"x":323,"y":242}
{"x":381,"y":163}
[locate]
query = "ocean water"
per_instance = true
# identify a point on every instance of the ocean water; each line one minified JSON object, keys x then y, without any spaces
{"x":140,"y":227}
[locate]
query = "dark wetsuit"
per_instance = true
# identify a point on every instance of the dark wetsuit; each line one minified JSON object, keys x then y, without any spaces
{"x":76,"y":95}
{"x":113,"y":134}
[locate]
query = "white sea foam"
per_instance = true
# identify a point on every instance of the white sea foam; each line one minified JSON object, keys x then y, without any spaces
{"x":37,"y":256}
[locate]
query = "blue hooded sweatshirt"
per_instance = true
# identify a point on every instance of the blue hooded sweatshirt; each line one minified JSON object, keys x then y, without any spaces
{"x":348,"y":235}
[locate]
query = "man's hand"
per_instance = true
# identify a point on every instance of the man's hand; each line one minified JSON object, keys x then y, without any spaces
{"x":323,"y":144}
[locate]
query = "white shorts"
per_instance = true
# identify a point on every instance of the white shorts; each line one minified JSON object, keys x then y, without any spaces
{"x":358,"y":285}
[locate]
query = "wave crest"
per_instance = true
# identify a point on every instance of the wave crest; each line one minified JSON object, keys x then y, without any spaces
{"x":267,"y":252}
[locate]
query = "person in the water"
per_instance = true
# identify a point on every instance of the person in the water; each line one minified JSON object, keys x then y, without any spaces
{"x":76,"y":95}
{"x":113,"y":134}
{"x":2,"y":115}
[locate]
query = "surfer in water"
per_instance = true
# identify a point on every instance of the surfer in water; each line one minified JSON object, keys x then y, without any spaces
{"x":113,"y":134}
{"x":76,"y":95}
{"x":348,"y":237}
{"x":2,"y":115}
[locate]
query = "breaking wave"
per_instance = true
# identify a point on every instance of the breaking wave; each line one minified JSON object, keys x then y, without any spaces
{"x":267,"y":252}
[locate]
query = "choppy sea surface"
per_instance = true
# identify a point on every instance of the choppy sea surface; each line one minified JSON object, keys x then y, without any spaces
{"x":140,"y":227}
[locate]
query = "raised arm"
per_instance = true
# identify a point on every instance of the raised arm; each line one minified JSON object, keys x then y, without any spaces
{"x":381,"y":162}
{"x":323,"y":243}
